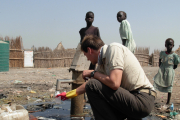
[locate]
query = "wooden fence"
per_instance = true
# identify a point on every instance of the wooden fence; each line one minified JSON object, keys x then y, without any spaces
{"x":47,"y":58}
{"x":142,"y":54}
{"x":16,"y":54}
{"x":155,"y":58}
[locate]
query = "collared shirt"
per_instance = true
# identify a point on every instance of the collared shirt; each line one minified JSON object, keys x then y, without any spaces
{"x":100,"y":57}
{"x":117,"y":56}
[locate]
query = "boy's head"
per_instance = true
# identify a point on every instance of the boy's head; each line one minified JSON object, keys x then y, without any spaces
{"x":89,"y":17}
{"x":169,"y":44}
{"x":121,"y":15}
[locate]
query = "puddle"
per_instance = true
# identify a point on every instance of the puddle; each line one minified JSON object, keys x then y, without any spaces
{"x":62,"y":112}
{"x":57,"y":111}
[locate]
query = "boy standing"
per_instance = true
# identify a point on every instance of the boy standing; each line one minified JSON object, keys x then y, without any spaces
{"x":89,"y":30}
{"x":125,"y":32}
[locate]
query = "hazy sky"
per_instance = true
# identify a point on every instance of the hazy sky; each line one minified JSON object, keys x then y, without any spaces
{"x":49,"y":22}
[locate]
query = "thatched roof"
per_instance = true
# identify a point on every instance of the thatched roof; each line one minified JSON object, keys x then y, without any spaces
{"x":60,"y":46}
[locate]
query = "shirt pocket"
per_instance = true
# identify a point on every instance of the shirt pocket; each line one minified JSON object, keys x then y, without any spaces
{"x":163,"y":60}
{"x":170,"y":60}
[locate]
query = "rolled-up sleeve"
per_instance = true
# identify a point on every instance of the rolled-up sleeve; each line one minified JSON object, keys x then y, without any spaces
{"x":115,"y":57}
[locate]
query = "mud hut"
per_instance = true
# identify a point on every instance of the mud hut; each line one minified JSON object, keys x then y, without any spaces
{"x":60,"y":47}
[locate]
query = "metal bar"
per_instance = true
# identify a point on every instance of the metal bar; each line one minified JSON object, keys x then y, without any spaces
{"x":59,"y":81}
{"x":65,"y":80}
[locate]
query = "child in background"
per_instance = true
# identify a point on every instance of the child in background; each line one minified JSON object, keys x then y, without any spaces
{"x":89,"y":30}
{"x":168,"y":61}
{"x":125,"y":31}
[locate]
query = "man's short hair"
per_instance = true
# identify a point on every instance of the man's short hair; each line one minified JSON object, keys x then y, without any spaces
{"x":91,"y":41}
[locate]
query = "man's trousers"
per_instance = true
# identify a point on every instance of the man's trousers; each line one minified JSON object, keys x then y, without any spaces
{"x":108,"y":104}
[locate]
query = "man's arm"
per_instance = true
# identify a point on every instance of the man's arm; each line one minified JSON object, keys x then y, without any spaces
{"x":81,"y":36}
{"x":81,"y":89}
{"x":113,"y":81}
{"x":98,"y":33}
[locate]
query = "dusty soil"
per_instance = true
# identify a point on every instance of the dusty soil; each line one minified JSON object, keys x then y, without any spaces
{"x":162,"y":97}
{"x":26,"y":85}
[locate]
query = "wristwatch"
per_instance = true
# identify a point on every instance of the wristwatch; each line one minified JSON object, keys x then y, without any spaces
{"x":92,"y":73}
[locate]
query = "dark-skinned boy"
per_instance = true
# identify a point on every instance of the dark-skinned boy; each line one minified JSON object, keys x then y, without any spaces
{"x":126,"y":32}
{"x":169,"y":44}
{"x":89,"y":30}
{"x":168,"y":61}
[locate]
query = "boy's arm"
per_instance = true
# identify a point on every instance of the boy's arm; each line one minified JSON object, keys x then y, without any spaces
{"x":124,"y":32}
{"x":176,"y":61}
{"x":80,"y":36}
{"x":98,"y":33}
{"x":124,"y":41}
{"x":175,"y":66}
{"x":159,"y":62}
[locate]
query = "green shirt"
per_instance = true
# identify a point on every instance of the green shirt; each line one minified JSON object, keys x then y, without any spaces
{"x":126,"y":33}
{"x":163,"y":80}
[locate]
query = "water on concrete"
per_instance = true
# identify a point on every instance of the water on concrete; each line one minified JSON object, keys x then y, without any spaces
{"x":62,"y":112}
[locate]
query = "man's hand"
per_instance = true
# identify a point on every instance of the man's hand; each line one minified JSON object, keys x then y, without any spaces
{"x":86,"y":74}
{"x":63,"y":96}
{"x":68,"y":95}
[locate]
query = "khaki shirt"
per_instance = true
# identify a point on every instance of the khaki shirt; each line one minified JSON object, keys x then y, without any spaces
{"x":117,"y":56}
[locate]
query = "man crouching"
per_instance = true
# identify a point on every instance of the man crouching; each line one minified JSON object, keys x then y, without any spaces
{"x":119,"y":88}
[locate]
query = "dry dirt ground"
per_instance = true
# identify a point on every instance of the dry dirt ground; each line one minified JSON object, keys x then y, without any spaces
{"x":26,"y":85}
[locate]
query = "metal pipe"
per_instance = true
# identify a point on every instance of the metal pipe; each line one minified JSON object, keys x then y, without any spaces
{"x":77,"y":103}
